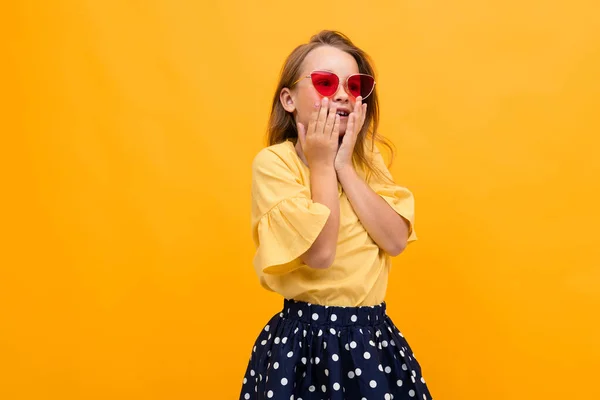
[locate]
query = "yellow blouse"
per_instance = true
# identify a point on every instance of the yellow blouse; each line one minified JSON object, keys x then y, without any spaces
{"x":285,"y":223}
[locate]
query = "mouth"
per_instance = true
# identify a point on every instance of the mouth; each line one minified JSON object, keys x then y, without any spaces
{"x":343,"y":113}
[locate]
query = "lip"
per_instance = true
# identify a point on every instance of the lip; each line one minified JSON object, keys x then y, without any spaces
{"x":346,"y":110}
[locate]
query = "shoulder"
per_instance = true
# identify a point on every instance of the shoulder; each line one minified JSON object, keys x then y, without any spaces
{"x":278,"y":153}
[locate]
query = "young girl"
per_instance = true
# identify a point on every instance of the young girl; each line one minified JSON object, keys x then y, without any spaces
{"x":326,"y":218}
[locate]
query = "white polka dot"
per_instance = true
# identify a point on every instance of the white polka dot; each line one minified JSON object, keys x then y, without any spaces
{"x":280,"y":315}
{"x":295,"y":331}
{"x":263,"y":342}
{"x":399,"y":382}
{"x":245,"y":380}
{"x":412,"y":378}
{"x":290,"y":354}
{"x":335,"y":357}
{"x":392,"y":343}
{"x":284,"y":381}
{"x":304,"y":333}
{"x":404,"y":367}
{"x":277,"y":340}
{"x":270,"y":394}
{"x":284,"y":340}
{"x":311,"y":360}
{"x":414,"y":373}
{"x":351,"y":374}
{"x":373,"y":384}
{"x":254,"y":349}
{"x":315,"y":316}
{"x":320,"y":332}
{"x":267,"y":328}
{"x":326,"y":372}
{"x":336,"y":386}
{"x":260,"y":377}
{"x":300,"y":344}
{"x":367,"y":355}
{"x":324,"y":388}
{"x":422,"y":379}
{"x":317,"y":360}
{"x":333,"y":317}
{"x":357,"y":371}
{"x":347,"y":347}
{"x":252,"y":373}
{"x":380,"y":368}
{"x":354,"y":318}
{"x":411,"y":393}
{"x":292,"y":397}
{"x":388,"y":370}
{"x":332,"y":331}
{"x":424,"y":397}
{"x":387,"y":396}
{"x":384,"y":343}
{"x":372,"y":343}
{"x":353,"y":344}
{"x":311,"y":388}
{"x":275,"y":365}
{"x":303,"y":359}
{"x":299,"y":313}
{"x":247,"y":396}
{"x":324,"y":345}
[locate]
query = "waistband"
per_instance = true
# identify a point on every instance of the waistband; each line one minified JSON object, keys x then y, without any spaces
{"x":333,"y":315}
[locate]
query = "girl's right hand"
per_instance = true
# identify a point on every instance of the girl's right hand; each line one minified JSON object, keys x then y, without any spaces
{"x":320,"y":142}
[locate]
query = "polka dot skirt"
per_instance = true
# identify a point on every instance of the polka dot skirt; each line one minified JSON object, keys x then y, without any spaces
{"x":314,"y":352}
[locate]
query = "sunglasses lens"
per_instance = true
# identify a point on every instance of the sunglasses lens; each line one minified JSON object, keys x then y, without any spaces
{"x":361,"y":85}
{"x":326,"y":83}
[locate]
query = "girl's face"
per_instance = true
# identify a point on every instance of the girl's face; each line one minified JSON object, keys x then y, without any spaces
{"x":302,"y":98}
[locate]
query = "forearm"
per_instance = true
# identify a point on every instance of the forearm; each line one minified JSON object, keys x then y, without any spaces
{"x":386,"y":227}
{"x":323,"y":183}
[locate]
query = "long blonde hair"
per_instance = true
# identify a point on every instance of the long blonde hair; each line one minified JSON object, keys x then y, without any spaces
{"x":282,"y":125}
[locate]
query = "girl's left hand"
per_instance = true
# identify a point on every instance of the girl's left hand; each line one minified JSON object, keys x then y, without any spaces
{"x":356,"y":119}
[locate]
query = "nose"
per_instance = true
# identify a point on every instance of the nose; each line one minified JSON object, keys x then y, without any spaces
{"x":341,"y":96}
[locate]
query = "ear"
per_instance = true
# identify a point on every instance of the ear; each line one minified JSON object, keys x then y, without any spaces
{"x":287,"y":100}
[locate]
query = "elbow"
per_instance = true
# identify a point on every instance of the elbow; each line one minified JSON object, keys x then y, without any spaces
{"x":396,"y":248}
{"x":322,"y":260}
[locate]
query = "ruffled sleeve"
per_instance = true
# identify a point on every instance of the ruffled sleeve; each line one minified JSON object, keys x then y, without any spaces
{"x":285,"y":220}
{"x":399,"y":198}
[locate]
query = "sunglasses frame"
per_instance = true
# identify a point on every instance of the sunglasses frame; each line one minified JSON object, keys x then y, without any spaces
{"x":345,"y":83}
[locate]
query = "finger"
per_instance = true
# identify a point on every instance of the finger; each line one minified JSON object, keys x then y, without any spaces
{"x":364,"y":115}
{"x":322,"y":115}
{"x":349,"y":125}
{"x":331,"y":117}
{"x":313,"y":120}
{"x":335,"y":133}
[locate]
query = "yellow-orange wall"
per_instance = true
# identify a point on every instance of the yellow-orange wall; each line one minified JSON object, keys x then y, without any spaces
{"x":128,"y":129}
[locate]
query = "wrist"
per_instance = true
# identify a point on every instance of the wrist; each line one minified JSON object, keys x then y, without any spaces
{"x":347,"y":171}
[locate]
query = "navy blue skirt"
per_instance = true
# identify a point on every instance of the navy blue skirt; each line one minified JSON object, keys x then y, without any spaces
{"x":314,"y":352}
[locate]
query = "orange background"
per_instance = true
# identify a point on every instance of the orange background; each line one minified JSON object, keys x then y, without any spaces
{"x":128,"y":133}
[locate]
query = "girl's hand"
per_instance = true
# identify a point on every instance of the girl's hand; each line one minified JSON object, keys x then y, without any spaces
{"x":356,"y":119}
{"x":320,"y":142}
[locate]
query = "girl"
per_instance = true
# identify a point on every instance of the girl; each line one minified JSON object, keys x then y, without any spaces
{"x":326,"y":218}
